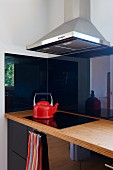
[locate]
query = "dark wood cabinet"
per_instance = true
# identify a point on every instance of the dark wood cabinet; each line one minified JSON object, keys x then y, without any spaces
{"x":17,"y":145}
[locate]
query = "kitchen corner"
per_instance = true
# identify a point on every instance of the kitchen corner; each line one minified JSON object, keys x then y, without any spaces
{"x":74,"y":63}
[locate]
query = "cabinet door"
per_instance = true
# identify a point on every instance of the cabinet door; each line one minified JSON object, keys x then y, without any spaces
{"x":16,"y":162}
{"x":19,"y":139}
{"x":108,"y":163}
{"x":96,"y":162}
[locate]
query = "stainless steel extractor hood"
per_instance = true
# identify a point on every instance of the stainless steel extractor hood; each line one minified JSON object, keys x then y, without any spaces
{"x":77,"y":34}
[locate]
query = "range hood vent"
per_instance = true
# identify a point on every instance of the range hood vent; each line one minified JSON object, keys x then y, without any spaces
{"x":77,"y":34}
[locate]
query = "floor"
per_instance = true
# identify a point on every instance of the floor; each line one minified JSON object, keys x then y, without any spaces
{"x":59,"y":157}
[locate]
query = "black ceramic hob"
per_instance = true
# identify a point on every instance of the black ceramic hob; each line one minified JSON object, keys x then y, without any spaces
{"x":63,"y":120}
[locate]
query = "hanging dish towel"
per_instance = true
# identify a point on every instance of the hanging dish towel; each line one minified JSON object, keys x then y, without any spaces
{"x":37,"y":158}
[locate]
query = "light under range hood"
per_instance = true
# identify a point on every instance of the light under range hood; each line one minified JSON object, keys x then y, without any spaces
{"x":74,"y":35}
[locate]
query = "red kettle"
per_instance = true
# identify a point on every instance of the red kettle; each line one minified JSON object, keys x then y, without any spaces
{"x":43,"y":109}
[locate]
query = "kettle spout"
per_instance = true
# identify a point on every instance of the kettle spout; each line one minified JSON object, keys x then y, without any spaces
{"x":55,"y":108}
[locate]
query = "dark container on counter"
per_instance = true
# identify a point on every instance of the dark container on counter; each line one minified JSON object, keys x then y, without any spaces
{"x":93,"y":105}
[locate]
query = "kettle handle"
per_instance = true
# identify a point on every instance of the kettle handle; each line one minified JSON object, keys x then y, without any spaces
{"x":34,"y":103}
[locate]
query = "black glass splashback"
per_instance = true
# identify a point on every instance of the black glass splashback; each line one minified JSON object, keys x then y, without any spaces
{"x":63,"y":82}
{"x":30,"y":76}
{"x":66,"y":78}
{"x":69,"y":82}
{"x":62,"y":120}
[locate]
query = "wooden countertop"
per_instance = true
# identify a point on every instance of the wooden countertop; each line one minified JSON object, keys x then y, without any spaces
{"x":96,"y":136}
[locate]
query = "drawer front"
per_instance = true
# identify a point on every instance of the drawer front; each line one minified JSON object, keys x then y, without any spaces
{"x":16,"y":162}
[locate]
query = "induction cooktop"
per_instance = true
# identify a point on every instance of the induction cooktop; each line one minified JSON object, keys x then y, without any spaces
{"x":63,"y":120}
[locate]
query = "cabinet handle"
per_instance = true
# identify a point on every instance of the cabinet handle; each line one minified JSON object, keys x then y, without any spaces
{"x":109,"y":166}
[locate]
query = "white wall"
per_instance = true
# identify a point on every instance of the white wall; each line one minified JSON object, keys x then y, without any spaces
{"x":98,"y":78}
{"x":22,"y":21}
{"x":25,"y":21}
{"x":3,"y":121}
{"x":55,"y":13}
{"x":102,"y":17}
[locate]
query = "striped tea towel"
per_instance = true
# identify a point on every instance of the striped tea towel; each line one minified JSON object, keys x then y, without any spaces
{"x":33,"y":152}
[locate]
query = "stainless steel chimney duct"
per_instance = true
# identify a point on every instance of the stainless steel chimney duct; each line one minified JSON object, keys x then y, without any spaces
{"x":77,"y":34}
{"x":76,"y":8}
